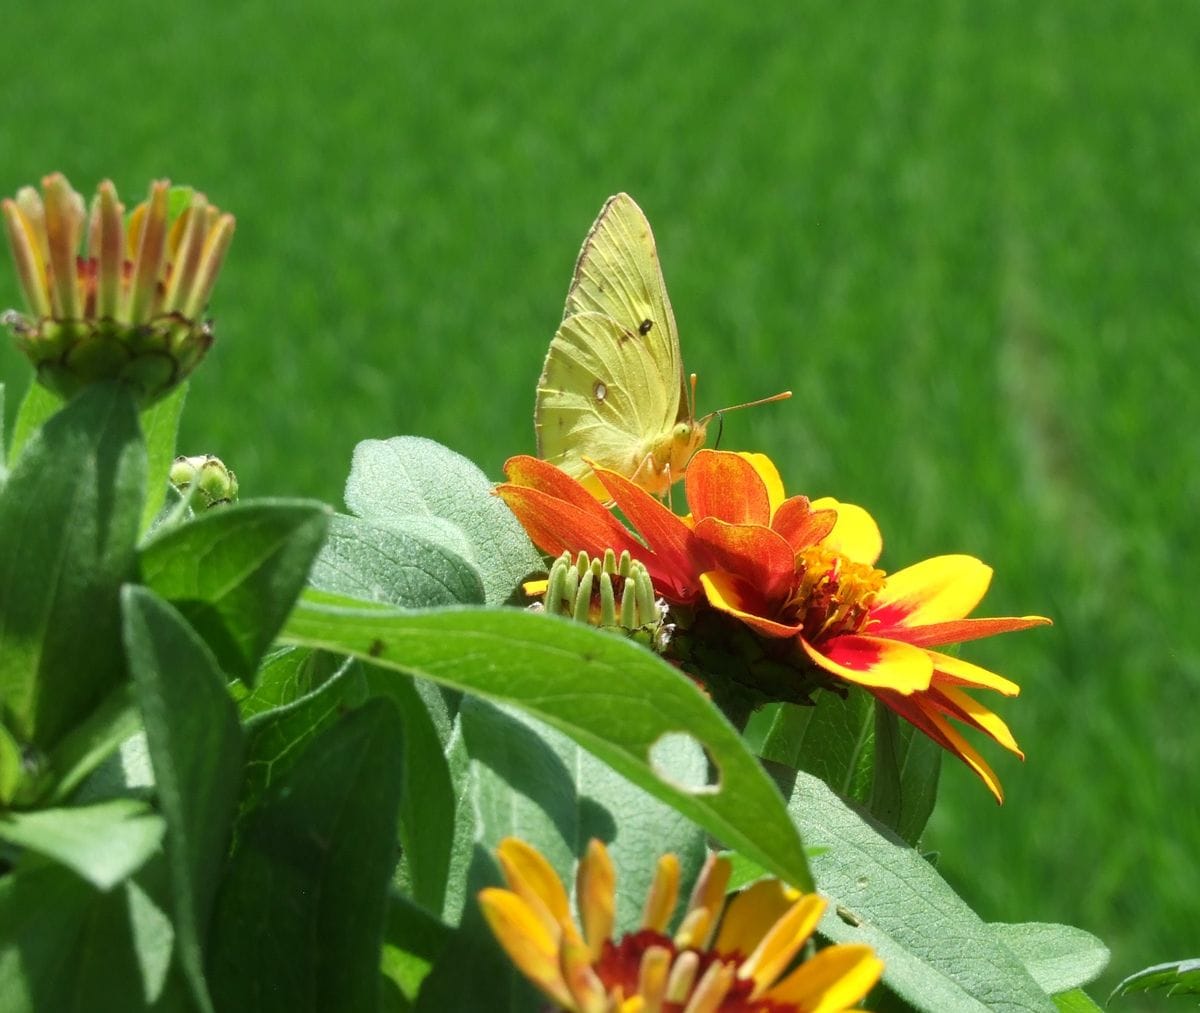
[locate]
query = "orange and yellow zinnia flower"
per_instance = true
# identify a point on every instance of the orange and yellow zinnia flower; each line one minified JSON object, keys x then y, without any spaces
{"x":738,"y":957}
{"x":797,"y":571}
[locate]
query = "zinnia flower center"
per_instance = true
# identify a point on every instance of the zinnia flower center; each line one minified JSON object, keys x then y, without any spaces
{"x":833,"y":594}
{"x":627,"y":969}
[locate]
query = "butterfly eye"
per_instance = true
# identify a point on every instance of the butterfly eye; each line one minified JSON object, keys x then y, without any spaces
{"x":644,"y":327}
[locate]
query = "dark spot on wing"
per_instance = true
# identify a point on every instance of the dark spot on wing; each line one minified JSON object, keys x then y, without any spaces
{"x":644,"y":327}
{"x":377,"y":648}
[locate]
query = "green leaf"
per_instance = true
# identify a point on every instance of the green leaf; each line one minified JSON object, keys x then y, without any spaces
{"x":276,"y":739}
{"x":195,"y":745}
{"x":427,"y":805}
{"x":833,"y":740}
{"x":614,"y":698}
{"x":421,"y":487}
{"x":103,"y":843}
{"x":1178,"y":977}
{"x":285,"y":675}
{"x":1059,"y":957}
{"x":66,"y":948}
{"x":937,"y":953}
{"x":235,"y":573}
{"x":35,"y":409}
{"x":160,"y":428}
{"x":412,"y":940}
{"x":12,"y":767}
{"x":378,"y":563}
{"x":1076,"y":1001}
{"x":299,"y":921}
{"x":69,"y":517}
{"x":904,"y":780}
{"x":89,"y":743}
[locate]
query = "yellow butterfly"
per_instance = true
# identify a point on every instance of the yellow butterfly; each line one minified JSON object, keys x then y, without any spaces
{"x":613,"y":390}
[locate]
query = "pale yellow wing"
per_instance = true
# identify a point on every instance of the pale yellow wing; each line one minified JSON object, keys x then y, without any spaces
{"x":618,"y":274}
{"x":601,"y":396}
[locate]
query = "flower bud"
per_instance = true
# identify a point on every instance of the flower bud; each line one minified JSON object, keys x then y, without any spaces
{"x":206,"y":479}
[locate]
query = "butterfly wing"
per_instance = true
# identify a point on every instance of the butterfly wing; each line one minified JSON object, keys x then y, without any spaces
{"x":599,"y":398}
{"x":612,"y":386}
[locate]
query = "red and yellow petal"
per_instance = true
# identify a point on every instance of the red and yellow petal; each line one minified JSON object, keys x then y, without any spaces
{"x":873,"y":662}
{"x":743,"y":600}
{"x":834,"y":980}
{"x":919,"y":711}
{"x":728,"y":487}
{"x":956,"y":704}
{"x":770,"y":477}
{"x":947,"y":669}
{"x":855,"y":535}
{"x":556,"y":526}
{"x":958,"y":631}
{"x":932,"y":591}
{"x":534,"y":473}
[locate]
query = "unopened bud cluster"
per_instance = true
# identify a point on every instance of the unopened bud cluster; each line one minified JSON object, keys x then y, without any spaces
{"x":206,"y":479}
{"x":609,"y":592}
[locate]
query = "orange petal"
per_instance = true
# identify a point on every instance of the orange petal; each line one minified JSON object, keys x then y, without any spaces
{"x":770,"y":476}
{"x":534,"y":473}
{"x":727,"y":486}
{"x":932,"y":591}
{"x":556,"y":526}
{"x":836,"y":979}
{"x":957,"y":704}
{"x":753,"y":552}
{"x":874,"y":661}
{"x":800,"y":525}
{"x":920,"y":712}
{"x":855,"y":535}
{"x":740,"y":598}
{"x":668,"y":536}
{"x":958,"y":631}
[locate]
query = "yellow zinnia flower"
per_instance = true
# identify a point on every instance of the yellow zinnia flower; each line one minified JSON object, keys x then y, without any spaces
{"x":739,"y":957}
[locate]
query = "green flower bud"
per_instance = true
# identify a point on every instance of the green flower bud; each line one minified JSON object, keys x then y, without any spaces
{"x":206,"y":479}
{"x":614,"y":594}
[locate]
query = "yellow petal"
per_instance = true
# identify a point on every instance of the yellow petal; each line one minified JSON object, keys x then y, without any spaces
{"x":964,"y":672}
{"x":708,"y":897}
{"x":662,"y":895}
{"x":855,"y":535}
{"x":933,"y":591}
{"x":526,"y":940}
{"x":874,"y":661}
{"x":595,"y":891}
{"x":782,"y":942}
{"x":834,"y":980}
{"x":770,"y":476}
{"x":985,"y":720}
{"x":533,"y":878}
{"x":751,"y":914}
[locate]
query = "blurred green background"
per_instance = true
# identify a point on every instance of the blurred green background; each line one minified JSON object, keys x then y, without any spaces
{"x":966,"y":235}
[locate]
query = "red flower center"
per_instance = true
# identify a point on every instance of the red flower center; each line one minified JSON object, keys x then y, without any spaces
{"x":833,"y":595}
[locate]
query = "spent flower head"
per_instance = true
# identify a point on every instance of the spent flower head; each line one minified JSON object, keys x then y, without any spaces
{"x":749,"y":955}
{"x":109,"y":296}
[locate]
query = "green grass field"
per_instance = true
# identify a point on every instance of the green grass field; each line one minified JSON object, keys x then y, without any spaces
{"x":966,"y":235}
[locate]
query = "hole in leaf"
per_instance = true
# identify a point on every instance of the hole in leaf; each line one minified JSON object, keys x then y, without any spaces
{"x":683,"y":762}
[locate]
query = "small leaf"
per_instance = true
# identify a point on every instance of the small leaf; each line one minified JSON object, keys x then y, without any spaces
{"x":234,"y":573}
{"x":408,"y":479}
{"x":195,"y":745}
{"x":284,"y":676}
{"x":69,"y":516}
{"x":1059,"y":957}
{"x":412,"y":941}
{"x":378,"y":563}
{"x":160,"y":428}
{"x":612,"y":697}
{"x":905,"y":768}
{"x":12,"y":767}
{"x":299,"y":921}
{"x":89,"y":743}
{"x":937,"y":953}
{"x":104,"y":843}
{"x":1076,"y":1001}
{"x":35,"y":409}
{"x":1178,"y":977}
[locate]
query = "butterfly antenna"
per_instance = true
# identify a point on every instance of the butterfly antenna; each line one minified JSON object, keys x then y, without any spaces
{"x":720,"y":429}
{"x":692,"y":406}
{"x":783,"y":395}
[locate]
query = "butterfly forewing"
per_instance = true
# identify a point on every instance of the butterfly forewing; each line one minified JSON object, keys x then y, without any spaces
{"x":618,"y":274}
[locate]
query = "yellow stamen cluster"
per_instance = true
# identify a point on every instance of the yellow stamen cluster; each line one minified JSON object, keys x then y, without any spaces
{"x":834,"y":594}
{"x":110,"y":298}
